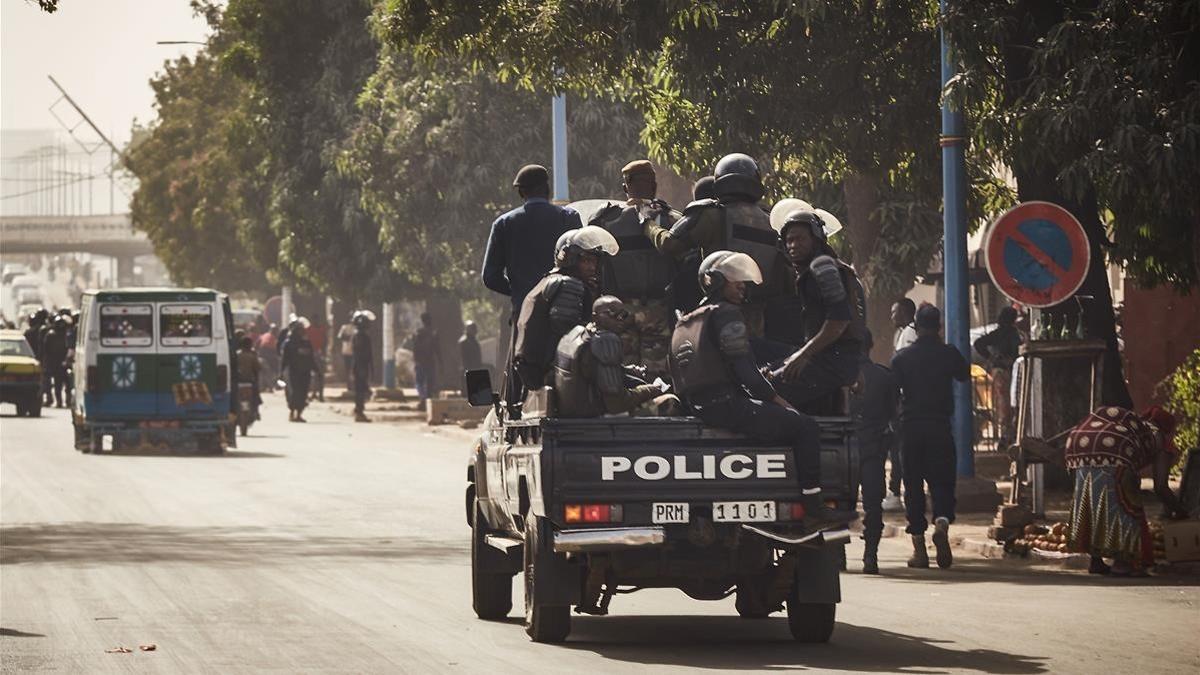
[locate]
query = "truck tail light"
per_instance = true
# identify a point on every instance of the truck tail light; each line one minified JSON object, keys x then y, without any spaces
{"x":791,"y":511}
{"x":93,"y":379}
{"x":222,"y":378}
{"x":593,"y":513}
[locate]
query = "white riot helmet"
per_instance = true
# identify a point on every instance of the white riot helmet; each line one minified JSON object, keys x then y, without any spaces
{"x":821,"y":223}
{"x":721,"y":267}
{"x":587,"y":239}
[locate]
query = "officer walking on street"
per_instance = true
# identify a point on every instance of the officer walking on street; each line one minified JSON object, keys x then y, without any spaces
{"x":640,"y":275}
{"x":713,"y":370}
{"x":520,"y":247}
{"x":874,"y":411}
{"x":362,"y":357}
{"x":925,"y":372}
{"x":559,"y":302}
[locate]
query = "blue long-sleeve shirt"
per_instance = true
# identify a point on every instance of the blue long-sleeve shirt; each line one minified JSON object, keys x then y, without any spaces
{"x":520,"y":248}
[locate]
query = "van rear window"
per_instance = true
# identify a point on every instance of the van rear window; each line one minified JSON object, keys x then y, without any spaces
{"x":126,"y":325}
{"x":185,"y":325}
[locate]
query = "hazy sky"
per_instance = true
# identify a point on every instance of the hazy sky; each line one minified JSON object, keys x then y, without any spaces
{"x":102,"y":52}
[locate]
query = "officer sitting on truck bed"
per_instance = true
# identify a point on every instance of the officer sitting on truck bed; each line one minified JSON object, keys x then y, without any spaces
{"x":713,"y":370}
{"x":829,"y":303}
{"x":588,"y":376}
{"x":559,"y":302}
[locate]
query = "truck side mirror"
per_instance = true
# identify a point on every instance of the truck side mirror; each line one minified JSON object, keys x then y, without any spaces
{"x":479,"y":388}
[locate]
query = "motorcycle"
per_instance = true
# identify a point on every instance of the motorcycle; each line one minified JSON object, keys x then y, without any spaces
{"x":247,"y":406}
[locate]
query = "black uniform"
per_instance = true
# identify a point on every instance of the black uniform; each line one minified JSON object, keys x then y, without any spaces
{"x":589,"y":377}
{"x":555,"y":305}
{"x":54,"y":361}
{"x":299,"y":361}
{"x":363,"y":360}
{"x":817,"y":296}
{"x":874,"y":411}
{"x":925,"y":371}
{"x":713,"y":370}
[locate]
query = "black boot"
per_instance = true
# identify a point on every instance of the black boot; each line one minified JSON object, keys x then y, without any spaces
{"x":941,"y":542}
{"x":871,"y":554}
{"x":817,"y":516}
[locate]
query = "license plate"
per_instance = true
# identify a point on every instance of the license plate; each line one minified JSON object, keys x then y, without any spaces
{"x":743,"y":512}
{"x":669,"y":512}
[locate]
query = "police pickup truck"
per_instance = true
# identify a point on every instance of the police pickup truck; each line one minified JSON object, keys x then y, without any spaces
{"x":588,"y":508}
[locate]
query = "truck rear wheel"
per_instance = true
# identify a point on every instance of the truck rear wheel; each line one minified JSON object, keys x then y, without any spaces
{"x":543,"y":622}
{"x":811,"y":621}
{"x":491,"y":592}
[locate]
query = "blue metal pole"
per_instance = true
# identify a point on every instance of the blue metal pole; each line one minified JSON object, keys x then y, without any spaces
{"x":954,"y":252}
{"x":559,"y":115}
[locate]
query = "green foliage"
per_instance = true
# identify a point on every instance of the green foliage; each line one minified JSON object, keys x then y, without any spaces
{"x":190,"y":183}
{"x":837,"y":100}
{"x":1181,"y":391}
{"x":1109,"y":94}
{"x":435,"y":149}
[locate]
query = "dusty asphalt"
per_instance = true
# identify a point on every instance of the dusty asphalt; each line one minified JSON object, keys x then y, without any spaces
{"x":334,"y":547}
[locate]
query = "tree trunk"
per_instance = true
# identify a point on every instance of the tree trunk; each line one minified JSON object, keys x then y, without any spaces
{"x":1037,"y":179}
{"x":862,"y":227}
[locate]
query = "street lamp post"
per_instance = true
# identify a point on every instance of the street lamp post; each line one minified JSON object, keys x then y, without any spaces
{"x":954,"y":256}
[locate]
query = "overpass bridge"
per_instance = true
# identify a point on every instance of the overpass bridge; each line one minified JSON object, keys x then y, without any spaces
{"x":108,"y":235}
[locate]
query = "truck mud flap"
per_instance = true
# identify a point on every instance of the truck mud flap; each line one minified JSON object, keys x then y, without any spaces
{"x":817,"y":574}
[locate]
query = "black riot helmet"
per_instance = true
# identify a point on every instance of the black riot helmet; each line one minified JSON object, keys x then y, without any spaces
{"x":737,"y":175}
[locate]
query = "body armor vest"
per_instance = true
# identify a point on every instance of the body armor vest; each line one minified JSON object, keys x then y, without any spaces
{"x":697,"y":364}
{"x":543,"y":321}
{"x":748,"y":230}
{"x":578,"y":395}
{"x":639,"y":271}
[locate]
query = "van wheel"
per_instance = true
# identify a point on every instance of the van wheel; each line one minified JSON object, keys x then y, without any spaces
{"x":35,"y":408}
{"x":21,"y":409}
{"x":491,"y":592}
{"x":811,"y":622}
{"x":543,"y":623}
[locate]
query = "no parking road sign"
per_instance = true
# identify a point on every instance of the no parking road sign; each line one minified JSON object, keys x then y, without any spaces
{"x":1037,"y":254}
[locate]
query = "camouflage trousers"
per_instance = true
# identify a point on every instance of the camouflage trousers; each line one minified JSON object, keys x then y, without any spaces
{"x":647,"y":339}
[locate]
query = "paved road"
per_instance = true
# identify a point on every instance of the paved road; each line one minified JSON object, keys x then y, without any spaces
{"x":333,"y":547}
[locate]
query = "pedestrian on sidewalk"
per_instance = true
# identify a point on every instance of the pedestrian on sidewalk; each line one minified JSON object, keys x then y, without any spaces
{"x":1000,"y":348}
{"x":874,"y":411}
{"x":468,"y":349}
{"x":425,"y":359}
{"x":362,"y":362}
{"x":926,"y":371}
{"x":1107,"y":451}
{"x":345,"y":337}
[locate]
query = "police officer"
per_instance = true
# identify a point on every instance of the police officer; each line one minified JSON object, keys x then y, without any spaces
{"x":589,"y":377}
{"x":830,"y":303}
{"x":873,"y":409}
{"x":733,"y":221}
{"x":926,"y":371}
{"x":639,"y":274}
{"x":362,"y":362}
{"x":713,"y":370}
{"x":54,"y":358}
{"x":520,"y":247}
{"x":559,"y":302}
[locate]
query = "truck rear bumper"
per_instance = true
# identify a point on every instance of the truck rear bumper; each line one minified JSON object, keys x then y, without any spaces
{"x":589,"y":541}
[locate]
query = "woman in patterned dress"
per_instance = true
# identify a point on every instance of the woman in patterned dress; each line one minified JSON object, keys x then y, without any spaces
{"x":1107,"y":451}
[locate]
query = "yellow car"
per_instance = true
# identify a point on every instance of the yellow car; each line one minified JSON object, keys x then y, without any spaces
{"x":20,"y":374}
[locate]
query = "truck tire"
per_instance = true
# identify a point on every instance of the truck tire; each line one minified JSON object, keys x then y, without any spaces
{"x":811,"y":622}
{"x":543,"y":623}
{"x":491,"y":592}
